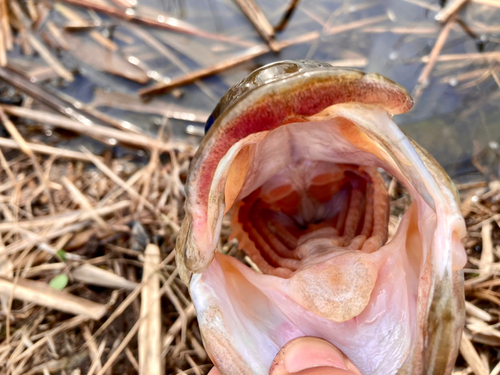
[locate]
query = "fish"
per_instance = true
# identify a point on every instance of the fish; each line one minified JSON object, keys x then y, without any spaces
{"x":293,"y":156}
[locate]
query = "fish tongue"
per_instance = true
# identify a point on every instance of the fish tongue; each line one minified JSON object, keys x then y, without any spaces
{"x":334,"y":282}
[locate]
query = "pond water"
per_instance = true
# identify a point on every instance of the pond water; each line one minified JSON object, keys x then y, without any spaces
{"x":456,"y":116}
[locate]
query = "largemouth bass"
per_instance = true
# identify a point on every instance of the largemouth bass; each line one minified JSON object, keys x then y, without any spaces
{"x":292,"y":153}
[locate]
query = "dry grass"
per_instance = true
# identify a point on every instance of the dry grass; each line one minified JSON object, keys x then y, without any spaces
{"x":108,"y":225}
{"x":481,"y":208}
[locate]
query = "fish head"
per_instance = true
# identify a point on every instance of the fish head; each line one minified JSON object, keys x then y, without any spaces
{"x":293,"y":155}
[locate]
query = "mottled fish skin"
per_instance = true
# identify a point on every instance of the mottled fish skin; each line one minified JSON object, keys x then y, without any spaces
{"x":359,"y":106}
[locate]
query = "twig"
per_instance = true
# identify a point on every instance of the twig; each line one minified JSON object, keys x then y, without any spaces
{"x":57,"y":35}
{"x":61,"y":102}
{"x":56,"y":365}
{"x":102,"y":117}
{"x":495,"y":77}
{"x":151,"y":167}
{"x":3,"y":49}
{"x":162,"y":21}
{"x":4,"y":25}
{"x":83,"y":202}
{"x":132,"y":360}
{"x":198,"y":348}
{"x":49,"y":58}
{"x":116,"y":191}
{"x":32,"y":11}
{"x":355,"y":24}
{"x":286,"y":16}
{"x":112,"y":358}
{"x":484,"y":222}
{"x":309,"y":37}
{"x":27,"y":333}
{"x":496,"y":369}
{"x":149,"y":336}
{"x":74,"y":17}
{"x":183,"y":318}
{"x":401,"y":30}
{"x":488,"y":296}
{"x":475,"y":311}
{"x":449,"y":10}
{"x":475,"y":82}
{"x":165,"y":51}
{"x":470,"y":355}
{"x":26,"y":243}
{"x":120,"y":309}
{"x":495,"y":55}
{"x":493,"y":3}
{"x":193,"y":364}
{"x":41,"y":243}
{"x":436,"y":50}
{"x":204,"y":72}
{"x":63,"y":219}
{"x":5,"y":165}
{"x":259,"y":21}
{"x":464,"y":76}
{"x":92,"y":275}
{"x":42,"y":294}
{"x":93,"y":350}
{"x":44,"y":149}
{"x":97,"y":132}
{"x":487,"y":250}
{"x":134,"y":104}
{"x":174,"y":329}
{"x":96,"y":361}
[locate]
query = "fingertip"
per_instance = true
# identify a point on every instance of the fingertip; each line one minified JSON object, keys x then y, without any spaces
{"x":311,"y":356}
{"x":214,"y":371}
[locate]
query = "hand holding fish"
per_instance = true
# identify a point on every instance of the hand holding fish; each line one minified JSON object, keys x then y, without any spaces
{"x":309,"y":356}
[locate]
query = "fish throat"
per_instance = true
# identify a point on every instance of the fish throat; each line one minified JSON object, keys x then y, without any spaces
{"x":309,"y":209}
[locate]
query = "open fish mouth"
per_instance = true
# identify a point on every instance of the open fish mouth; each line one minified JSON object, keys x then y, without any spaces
{"x":293,"y":154}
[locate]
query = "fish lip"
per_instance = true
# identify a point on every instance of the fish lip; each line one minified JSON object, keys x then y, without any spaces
{"x":308,"y":68}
